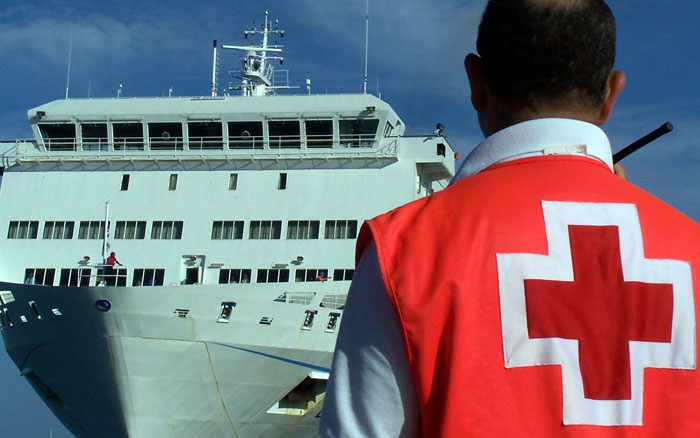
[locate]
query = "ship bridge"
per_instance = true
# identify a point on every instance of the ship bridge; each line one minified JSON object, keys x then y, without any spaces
{"x":228,"y":123}
{"x":316,"y":130}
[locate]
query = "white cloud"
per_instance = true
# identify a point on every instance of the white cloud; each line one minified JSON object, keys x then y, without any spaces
{"x":92,"y":36}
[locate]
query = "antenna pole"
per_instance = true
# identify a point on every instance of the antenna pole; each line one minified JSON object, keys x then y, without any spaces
{"x":105,"y":239}
{"x":264,"y":45}
{"x":70,"y":50}
{"x":213,"y":72}
{"x":366,"y":44}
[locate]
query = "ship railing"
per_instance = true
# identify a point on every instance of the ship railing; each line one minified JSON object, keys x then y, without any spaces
{"x":245,"y":142}
{"x":253,"y":148}
{"x":7,"y":156}
{"x":83,"y":276}
{"x":95,"y":144}
{"x":334,"y":301}
{"x":357,"y":140}
{"x":319,"y":141}
{"x":304,"y":298}
{"x":279,"y":78}
{"x":12,"y":149}
{"x":205,"y":143}
{"x":285,"y":141}
{"x":167,"y":144}
{"x":391,"y":148}
{"x":58,"y":144}
{"x":127,"y":144}
{"x":109,"y":275}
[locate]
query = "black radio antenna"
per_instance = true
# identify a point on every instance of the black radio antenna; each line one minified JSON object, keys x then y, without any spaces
{"x":653,"y":135}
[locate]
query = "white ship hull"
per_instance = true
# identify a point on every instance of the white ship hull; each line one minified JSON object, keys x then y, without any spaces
{"x":146,"y":370}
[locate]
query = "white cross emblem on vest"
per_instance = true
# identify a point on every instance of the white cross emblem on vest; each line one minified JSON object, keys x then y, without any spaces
{"x":596,"y":306}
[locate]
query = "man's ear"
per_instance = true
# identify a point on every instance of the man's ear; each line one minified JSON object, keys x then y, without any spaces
{"x":615,"y":84}
{"x":477,"y":81}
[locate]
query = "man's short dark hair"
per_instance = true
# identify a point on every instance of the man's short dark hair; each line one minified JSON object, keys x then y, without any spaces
{"x":547,"y":51}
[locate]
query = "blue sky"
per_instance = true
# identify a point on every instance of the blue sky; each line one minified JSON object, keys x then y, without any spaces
{"x":415,"y":62}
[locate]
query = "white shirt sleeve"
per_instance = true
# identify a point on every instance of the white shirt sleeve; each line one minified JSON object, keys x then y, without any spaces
{"x":370,"y":392}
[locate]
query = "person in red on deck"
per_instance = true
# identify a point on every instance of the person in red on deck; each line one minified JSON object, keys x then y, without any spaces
{"x":539,"y":295}
{"x":110,"y":273}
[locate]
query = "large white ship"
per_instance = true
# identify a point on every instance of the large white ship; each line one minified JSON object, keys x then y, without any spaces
{"x":234,"y":218}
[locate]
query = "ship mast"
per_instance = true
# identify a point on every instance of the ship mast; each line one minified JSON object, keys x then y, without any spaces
{"x":256,"y":72}
{"x":105,"y":238}
{"x":214,"y":72}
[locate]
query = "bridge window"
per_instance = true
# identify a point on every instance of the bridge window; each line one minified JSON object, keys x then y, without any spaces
{"x":273,"y":275}
{"x":58,"y":229}
{"x":42,"y":276}
{"x":344,"y":229}
{"x":94,"y":136}
{"x":23,"y":230}
{"x":166,"y":230}
{"x":165,"y":136}
{"x":319,"y":133}
{"x":284,"y":134}
{"x":130,"y":230}
{"x":388,"y":129}
{"x":234,"y":276}
{"x":58,"y":136}
{"x":265,"y":229}
{"x":343,"y":274}
{"x":205,"y":135}
{"x":303,"y":229}
{"x":172,"y":183}
{"x":358,"y":132}
{"x":127,"y":136}
{"x":227,"y":230}
{"x":245,"y":135}
{"x":91,"y":230}
{"x":148,"y":277}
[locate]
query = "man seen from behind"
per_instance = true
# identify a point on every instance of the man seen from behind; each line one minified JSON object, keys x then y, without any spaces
{"x":539,"y":295}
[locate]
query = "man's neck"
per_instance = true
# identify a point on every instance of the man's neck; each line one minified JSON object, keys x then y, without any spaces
{"x":502,"y":117}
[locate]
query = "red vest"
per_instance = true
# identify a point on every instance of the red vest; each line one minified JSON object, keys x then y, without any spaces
{"x":545,"y":297}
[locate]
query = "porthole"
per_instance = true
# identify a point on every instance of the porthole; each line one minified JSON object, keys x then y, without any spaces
{"x":103,"y":305}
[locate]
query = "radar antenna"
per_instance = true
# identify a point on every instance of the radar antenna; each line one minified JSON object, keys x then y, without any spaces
{"x":257,"y":75}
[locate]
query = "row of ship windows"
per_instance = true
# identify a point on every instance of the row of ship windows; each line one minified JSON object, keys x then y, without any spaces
{"x":172,"y":230}
{"x":156,"y":276}
{"x":232,"y":182}
{"x":210,"y":135}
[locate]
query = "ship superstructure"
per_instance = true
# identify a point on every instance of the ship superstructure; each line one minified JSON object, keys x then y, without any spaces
{"x":234,"y":217}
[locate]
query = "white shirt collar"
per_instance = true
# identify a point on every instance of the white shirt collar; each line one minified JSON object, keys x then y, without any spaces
{"x":538,"y":137}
